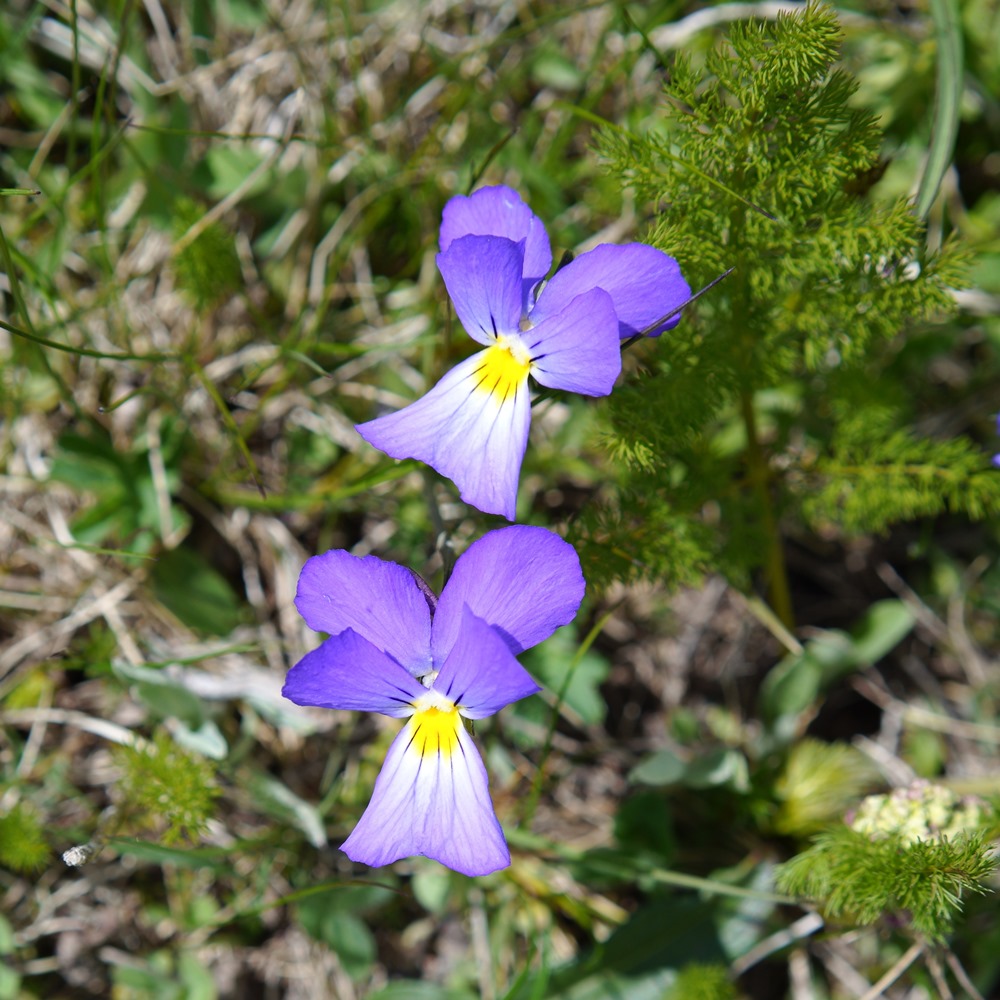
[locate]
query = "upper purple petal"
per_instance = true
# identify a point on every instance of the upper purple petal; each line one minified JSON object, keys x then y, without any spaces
{"x":643,"y":282}
{"x":577,"y":349}
{"x":480,"y":674}
{"x":431,"y":804}
{"x":524,"y":581}
{"x":348,"y":672}
{"x":499,"y":211}
{"x":473,"y":435}
{"x":379,"y":600}
{"x":483,"y":278}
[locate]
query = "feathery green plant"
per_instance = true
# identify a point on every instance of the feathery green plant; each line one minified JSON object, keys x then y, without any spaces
{"x":777,"y":403}
{"x":22,"y":840}
{"x":913,"y":853}
{"x":701,"y":981}
{"x":164,"y":784}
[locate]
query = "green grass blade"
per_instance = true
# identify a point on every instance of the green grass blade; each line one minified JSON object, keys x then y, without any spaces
{"x":949,"y":97}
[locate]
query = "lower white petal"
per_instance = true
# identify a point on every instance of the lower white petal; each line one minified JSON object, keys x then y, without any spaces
{"x":472,"y":427}
{"x":432,"y":798}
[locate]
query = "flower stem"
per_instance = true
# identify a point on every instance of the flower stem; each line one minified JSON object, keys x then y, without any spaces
{"x":538,"y":783}
{"x":779,"y":592}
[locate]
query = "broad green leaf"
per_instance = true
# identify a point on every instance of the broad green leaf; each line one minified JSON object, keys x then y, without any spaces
{"x":663,"y":767}
{"x":345,"y":933}
{"x":162,"y":695}
{"x":206,"y":739}
{"x":883,"y":627}
{"x":283,"y":804}
{"x":196,"y":592}
{"x":215,"y":858}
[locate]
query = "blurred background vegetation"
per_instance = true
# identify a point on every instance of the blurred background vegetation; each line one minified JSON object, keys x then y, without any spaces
{"x":218,"y":232}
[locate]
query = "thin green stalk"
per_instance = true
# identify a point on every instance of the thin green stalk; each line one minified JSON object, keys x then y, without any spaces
{"x":613,"y":867}
{"x":536,"y":787}
{"x":760,"y":476}
{"x":21,"y":306}
{"x":85,"y":352}
{"x":227,"y":418}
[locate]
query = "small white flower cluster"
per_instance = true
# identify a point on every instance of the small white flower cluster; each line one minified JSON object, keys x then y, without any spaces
{"x":922,"y":811}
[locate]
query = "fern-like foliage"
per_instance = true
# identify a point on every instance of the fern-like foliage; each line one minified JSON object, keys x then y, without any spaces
{"x":877,"y":472}
{"x":701,"y":981}
{"x":858,"y":878}
{"x":165,"y":787}
{"x":22,"y":840}
{"x":746,"y":416}
{"x":207,"y":267}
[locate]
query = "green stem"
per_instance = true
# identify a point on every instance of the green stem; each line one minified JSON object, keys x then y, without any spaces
{"x":777,"y":576}
{"x":536,"y":788}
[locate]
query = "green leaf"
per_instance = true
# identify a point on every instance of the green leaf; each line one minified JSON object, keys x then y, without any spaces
{"x":947,"y":100}
{"x":230,"y":164}
{"x":206,"y":739}
{"x":163,"y":696}
{"x":720,"y":767}
{"x":281,"y":802}
{"x":215,"y":858}
{"x":798,"y":680}
{"x":10,"y":984}
{"x":432,"y":888}
{"x":663,"y":767}
{"x":186,"y":584}
{"x":334,"y":917}
{"x":197,"y":980}
{"x":6,"y":936}
{"x":884,"y":626}
{"x":643,"y":956}
{"x":345,"y":933}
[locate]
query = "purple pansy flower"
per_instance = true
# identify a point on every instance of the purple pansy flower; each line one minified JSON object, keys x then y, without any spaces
{"x":395,"y":649}
{"x":473,"y":425}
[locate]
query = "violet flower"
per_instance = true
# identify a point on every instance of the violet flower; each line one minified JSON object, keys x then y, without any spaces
{"x":396,"y":649}
{"x":473,"y":425}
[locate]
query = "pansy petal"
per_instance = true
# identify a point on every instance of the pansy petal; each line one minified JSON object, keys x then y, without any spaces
{"x":577,"y":349}
{"x":483,"y":278}
{"x":431,"y":799}
{"x":472,"y":427}
{"x":480,"y":674}
{"x":643,"y":282}
{"x":348,"y":672}
{"x":379,"y":600}
{"x":499,"y":211}
{"x":524,"y":581}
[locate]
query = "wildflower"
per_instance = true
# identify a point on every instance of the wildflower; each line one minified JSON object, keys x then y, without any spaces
{"x":473,"y":425}
{"x":396,"y":649}
{"x":923,"y":811}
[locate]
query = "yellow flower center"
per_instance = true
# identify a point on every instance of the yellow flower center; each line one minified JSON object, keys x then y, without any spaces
{"x":435,"y":730}
{"x":504,"y":368}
